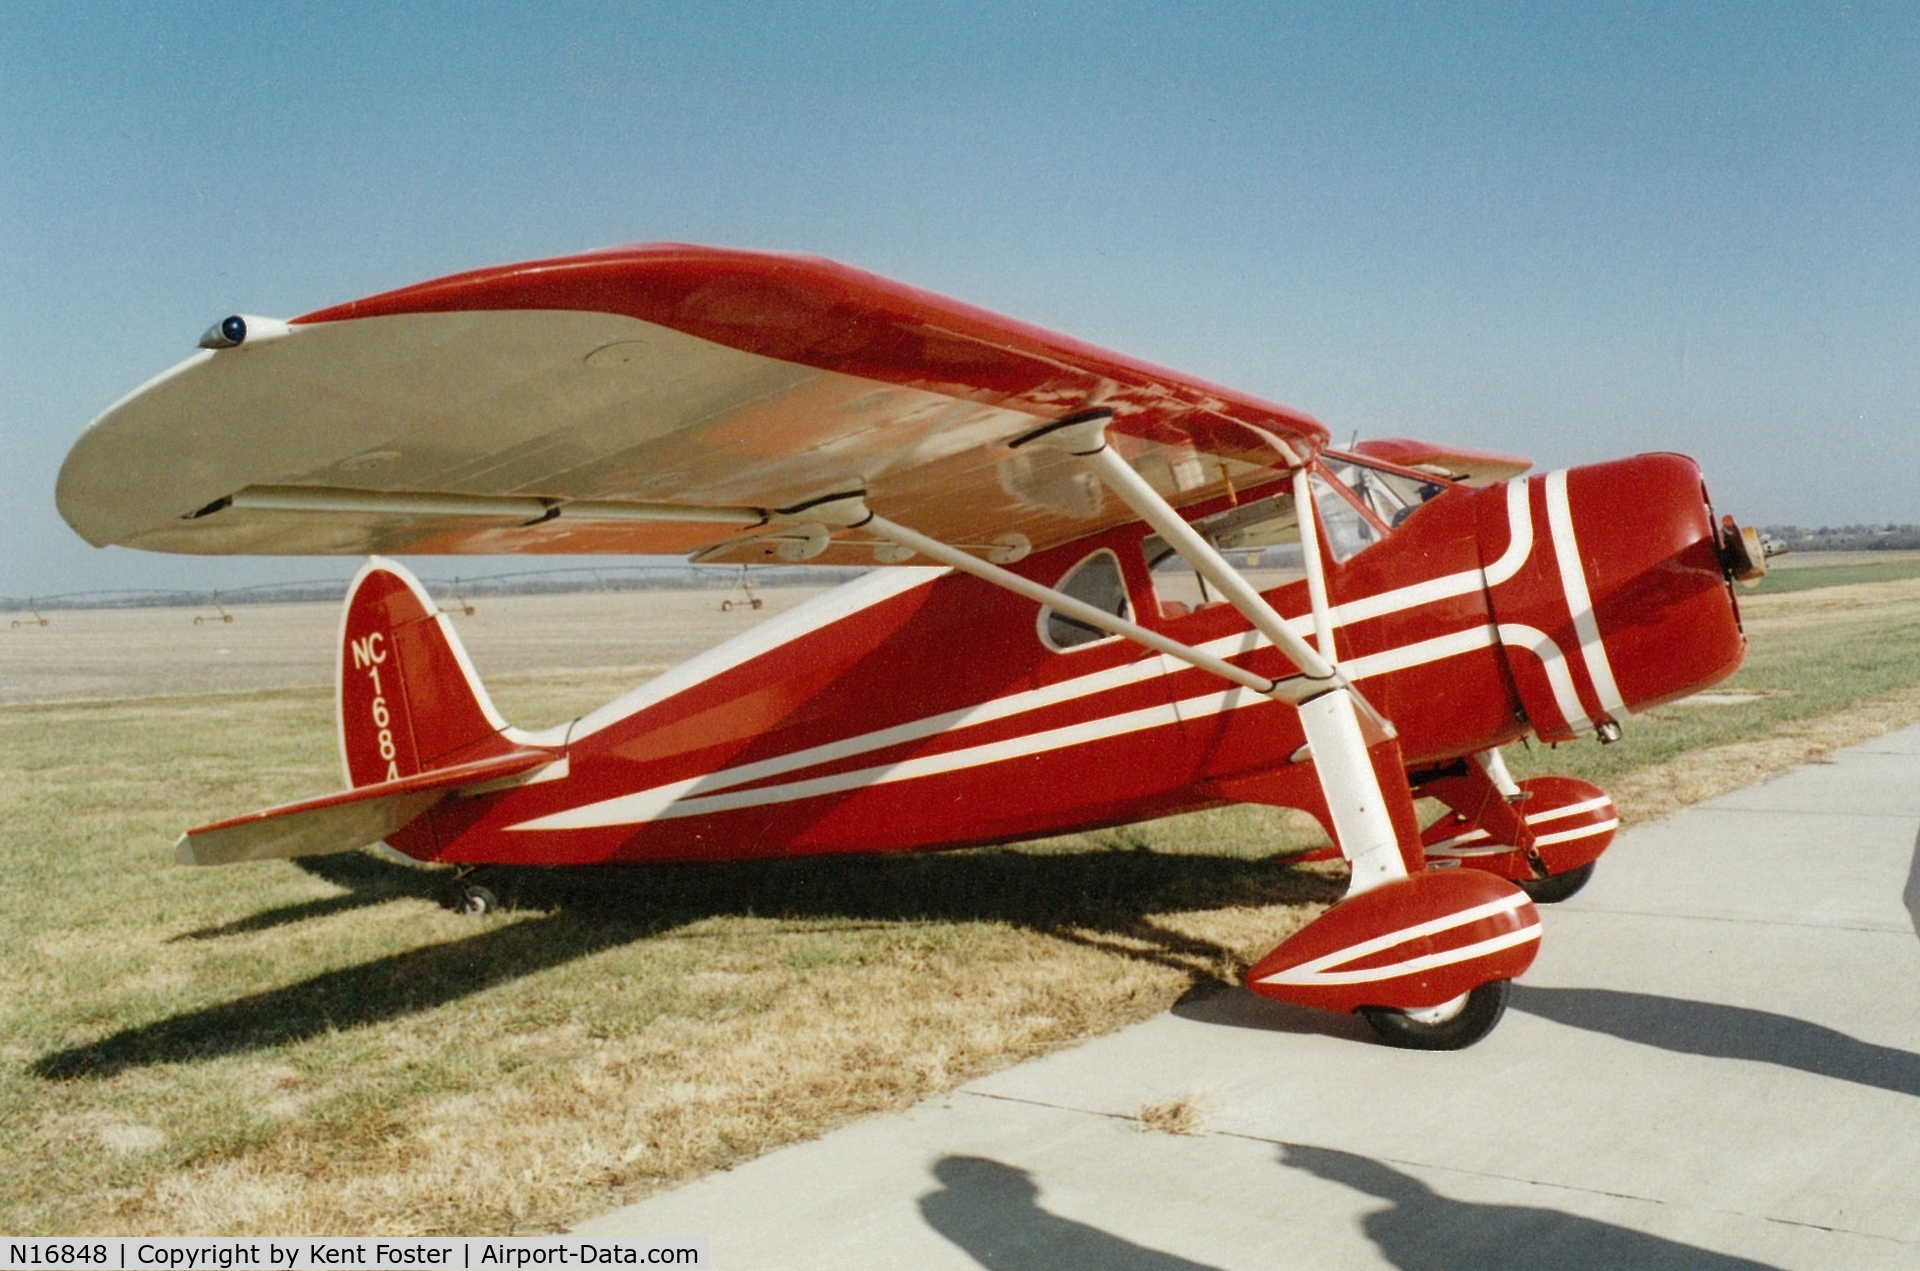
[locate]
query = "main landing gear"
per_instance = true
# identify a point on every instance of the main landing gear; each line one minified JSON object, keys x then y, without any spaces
{"x":1425,"y":953}
{"x":1555,"y":888}
{"x":1426,"y":959}
{"x":1544,"y":833}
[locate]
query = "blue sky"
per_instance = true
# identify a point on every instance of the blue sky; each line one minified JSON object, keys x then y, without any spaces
{"x":1571,"y":231}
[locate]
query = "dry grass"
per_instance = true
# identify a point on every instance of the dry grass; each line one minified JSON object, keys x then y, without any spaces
{"x":1181,"y":1115}
{"x":324,"y":1049}
{"x":1661,"y":789}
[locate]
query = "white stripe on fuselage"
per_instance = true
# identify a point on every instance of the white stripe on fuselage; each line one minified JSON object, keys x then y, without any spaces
{"x":696,"y":795}
{"x":843,"y":601}
{"x":1573,"y":579}
{"x":701,"y":794}
{"x":1559,"y":678}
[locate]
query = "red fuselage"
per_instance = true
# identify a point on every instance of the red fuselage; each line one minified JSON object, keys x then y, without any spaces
{"x":918,"y":708}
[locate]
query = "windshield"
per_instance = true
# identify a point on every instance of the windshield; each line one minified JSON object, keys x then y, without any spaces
{"x":1391,"y":496}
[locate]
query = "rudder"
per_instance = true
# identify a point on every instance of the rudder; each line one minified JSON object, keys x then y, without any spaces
{"x":408,"y":698}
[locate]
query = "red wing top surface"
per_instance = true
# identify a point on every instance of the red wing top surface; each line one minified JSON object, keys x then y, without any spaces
{"x":651,"y":399}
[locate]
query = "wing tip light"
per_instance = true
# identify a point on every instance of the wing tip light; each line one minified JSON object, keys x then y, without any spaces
{"x":237,"y":329}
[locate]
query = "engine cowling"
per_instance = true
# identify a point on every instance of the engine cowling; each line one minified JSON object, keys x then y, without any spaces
{"x":1609,"y":590}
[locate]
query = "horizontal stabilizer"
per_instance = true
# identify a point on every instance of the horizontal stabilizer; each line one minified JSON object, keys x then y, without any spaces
{"x":347,"y":820}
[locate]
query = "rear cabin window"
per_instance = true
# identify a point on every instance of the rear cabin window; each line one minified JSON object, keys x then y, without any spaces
{"x":1095,"y":581}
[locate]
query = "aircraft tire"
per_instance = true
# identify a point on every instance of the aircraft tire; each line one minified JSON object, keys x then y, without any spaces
{"x":1476,"y":1017}
{"x":1555,"y":888}
{"x":473,"y":900}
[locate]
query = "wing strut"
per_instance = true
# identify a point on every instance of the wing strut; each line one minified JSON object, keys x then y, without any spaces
{"x":851,"y":511}
{"x":1331,"y":712}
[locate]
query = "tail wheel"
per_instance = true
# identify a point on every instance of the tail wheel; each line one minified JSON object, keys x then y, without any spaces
{"x":472,"y":899}
{"x":1555,"y":888}
{"x":1452,"y":1025}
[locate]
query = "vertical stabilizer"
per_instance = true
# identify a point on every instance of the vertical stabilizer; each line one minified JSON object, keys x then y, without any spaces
{"x":409,"y":700}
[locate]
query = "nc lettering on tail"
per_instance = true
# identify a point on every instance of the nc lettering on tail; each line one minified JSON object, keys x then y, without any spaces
{"x":408,"y":698}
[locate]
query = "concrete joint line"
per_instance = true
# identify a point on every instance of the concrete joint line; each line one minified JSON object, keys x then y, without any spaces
{"x":1585,"y":1191}
{"x":1051,"y":1107}
{"x":1455,"y":1169}
{"x":1825,"y":816}
{"x":1888,"y":930}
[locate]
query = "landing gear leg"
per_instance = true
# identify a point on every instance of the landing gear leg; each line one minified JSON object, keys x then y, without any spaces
{"x":1543,"y":833}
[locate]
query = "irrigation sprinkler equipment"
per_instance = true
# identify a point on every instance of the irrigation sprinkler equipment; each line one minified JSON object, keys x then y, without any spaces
{"x":460,"y":602}
{"x":751,"y":602}
{"x":38,"y":620}
{"x":221,"y":614}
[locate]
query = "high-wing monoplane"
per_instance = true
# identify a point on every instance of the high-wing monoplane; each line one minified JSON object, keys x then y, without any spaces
{"x":1104,"y":592}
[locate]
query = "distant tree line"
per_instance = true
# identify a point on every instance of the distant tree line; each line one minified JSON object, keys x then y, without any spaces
{"x":1846,"y":538}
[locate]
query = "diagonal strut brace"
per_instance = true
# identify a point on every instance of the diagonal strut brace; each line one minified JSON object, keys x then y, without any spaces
{"x":1330,"y":710}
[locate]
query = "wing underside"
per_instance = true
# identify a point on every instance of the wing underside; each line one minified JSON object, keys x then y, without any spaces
{"x":658,"y":399}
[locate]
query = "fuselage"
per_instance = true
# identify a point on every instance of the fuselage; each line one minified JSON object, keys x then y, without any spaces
{"x":917,"y":708}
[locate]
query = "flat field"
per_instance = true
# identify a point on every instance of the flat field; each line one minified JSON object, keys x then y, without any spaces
{"x":117,"y":653}
{"x":1798,"y":571}
{"x":319,"y":1047}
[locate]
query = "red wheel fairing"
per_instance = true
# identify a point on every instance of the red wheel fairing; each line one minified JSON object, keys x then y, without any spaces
{"x":1410,"y":944}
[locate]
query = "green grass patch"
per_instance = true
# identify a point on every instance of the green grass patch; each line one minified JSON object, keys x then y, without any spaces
{"x":1778,"y":581}
{"x":1794,"y":673}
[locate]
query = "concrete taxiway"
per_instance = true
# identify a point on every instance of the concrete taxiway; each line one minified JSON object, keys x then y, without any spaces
{"x":1715,"y":1062}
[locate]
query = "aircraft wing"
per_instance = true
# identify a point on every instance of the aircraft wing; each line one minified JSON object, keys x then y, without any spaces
{"x":651,"y":399}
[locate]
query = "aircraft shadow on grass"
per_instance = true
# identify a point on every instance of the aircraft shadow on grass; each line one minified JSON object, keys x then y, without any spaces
{"x":1104,"y":899}
{"x":368,"y":881}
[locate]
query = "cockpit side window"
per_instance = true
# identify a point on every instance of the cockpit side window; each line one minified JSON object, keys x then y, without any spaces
{"x":1391,"y":496}
{"x":1096,"y":581}
{"x":1347,"y":530}
{"x":1260,"y":538}
{"x":1360,"y":504}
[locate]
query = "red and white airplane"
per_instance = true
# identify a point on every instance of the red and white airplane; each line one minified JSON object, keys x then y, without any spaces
{"x":1113,"y":593}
